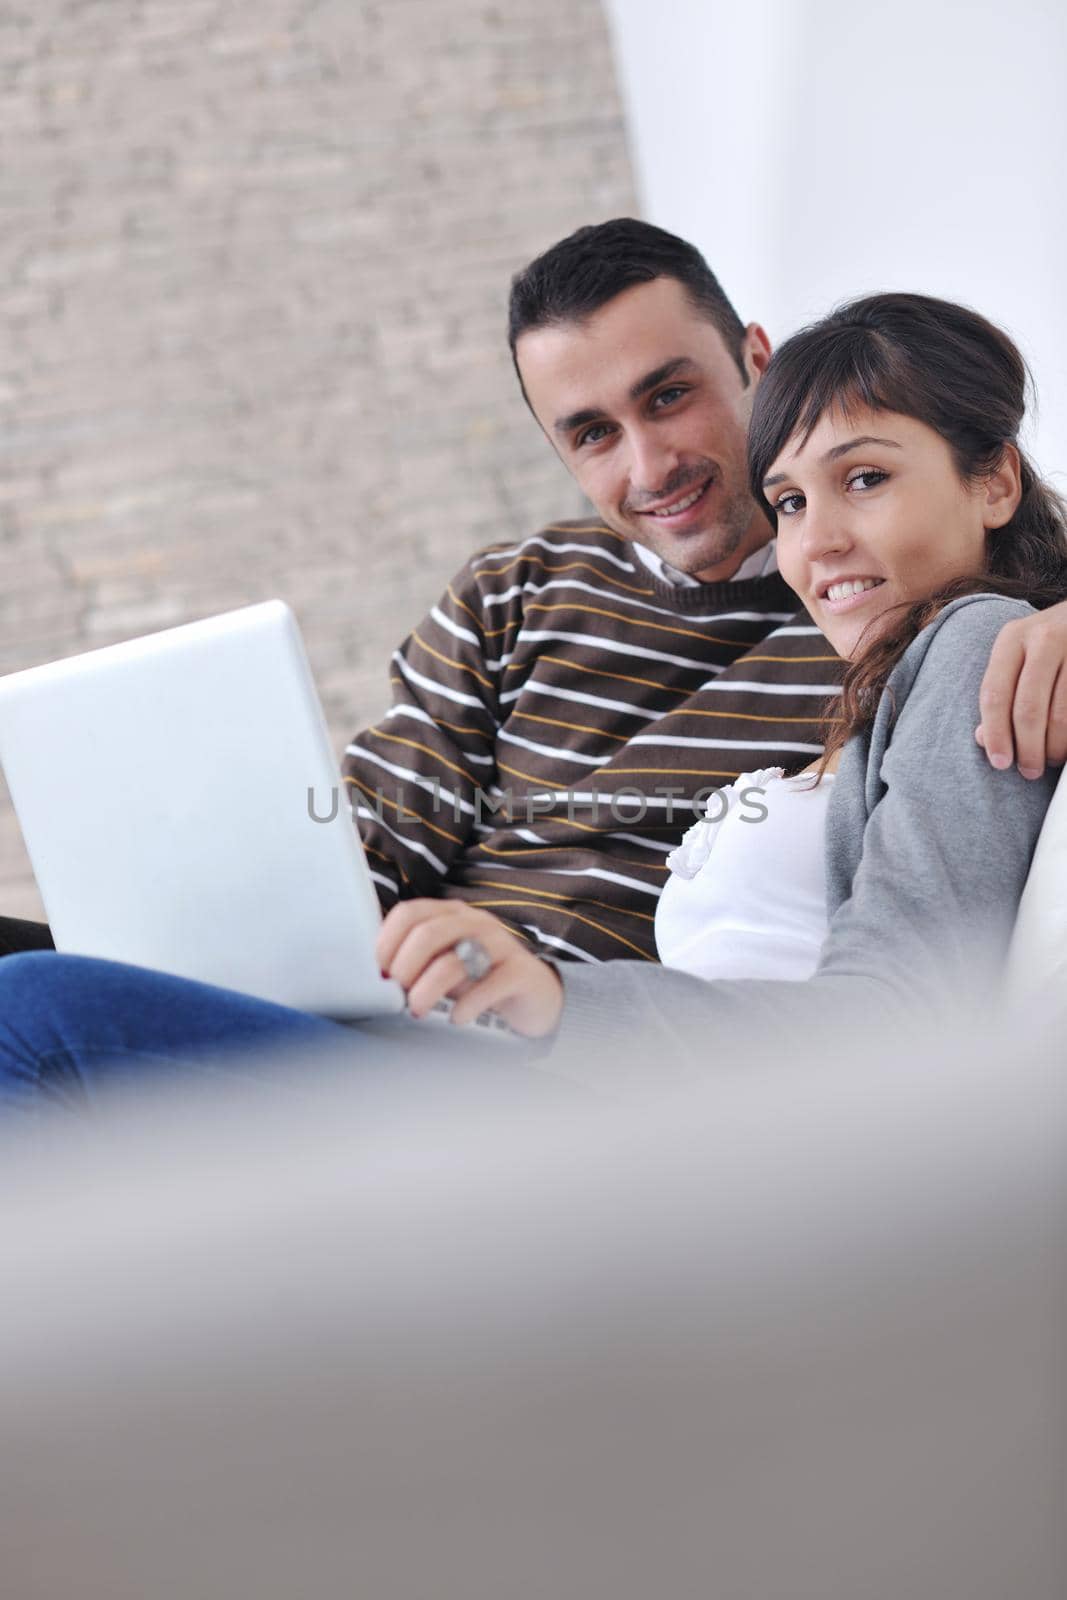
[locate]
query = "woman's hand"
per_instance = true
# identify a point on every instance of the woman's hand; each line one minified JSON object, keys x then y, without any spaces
{"x":417,"y":947}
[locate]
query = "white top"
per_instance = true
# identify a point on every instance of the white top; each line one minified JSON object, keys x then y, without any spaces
{"x":746,"y":897}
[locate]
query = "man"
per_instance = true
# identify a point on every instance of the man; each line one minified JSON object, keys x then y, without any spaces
{"x":572,"y":694}
{"x":559,"y":710}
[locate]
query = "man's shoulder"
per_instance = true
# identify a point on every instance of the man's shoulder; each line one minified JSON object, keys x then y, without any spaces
{"x":584,"y":534}
{"x":580,"y":547}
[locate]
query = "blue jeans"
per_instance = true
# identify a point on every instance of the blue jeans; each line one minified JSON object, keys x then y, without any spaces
{"x":74,"y":1026}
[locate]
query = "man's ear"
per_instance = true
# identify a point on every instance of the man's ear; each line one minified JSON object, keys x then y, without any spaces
{"x":755,"y":351}
{"x":1003,"y":489}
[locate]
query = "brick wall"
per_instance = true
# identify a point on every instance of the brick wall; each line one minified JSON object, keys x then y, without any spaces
{"x":253,"y":272}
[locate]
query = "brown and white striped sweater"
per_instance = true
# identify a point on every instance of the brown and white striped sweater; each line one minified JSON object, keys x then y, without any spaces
{"x":554,"y":717}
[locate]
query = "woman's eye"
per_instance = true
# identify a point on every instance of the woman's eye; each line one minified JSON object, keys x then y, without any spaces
{"x":867,"y":478}
{"x":787,"y":505}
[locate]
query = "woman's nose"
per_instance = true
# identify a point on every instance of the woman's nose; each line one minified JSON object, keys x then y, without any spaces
{"x":825,"y":531}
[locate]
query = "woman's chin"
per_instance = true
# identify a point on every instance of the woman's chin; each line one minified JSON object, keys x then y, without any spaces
{"x":843,"y":637}
{"x":851,"y":636}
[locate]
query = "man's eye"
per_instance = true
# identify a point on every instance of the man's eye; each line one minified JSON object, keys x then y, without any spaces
{"x":867,"y":478}
{"x":787,"y":505}
{"x":593,"y":435}
{"x":668,"y":396}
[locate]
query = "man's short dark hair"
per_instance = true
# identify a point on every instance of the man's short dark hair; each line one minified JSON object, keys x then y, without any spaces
{"x":591,"y":266}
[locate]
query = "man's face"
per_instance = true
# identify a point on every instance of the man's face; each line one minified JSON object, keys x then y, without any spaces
{"x":648,"y":410}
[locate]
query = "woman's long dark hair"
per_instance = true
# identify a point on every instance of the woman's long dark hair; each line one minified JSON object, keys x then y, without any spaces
{"x":946,"y":366}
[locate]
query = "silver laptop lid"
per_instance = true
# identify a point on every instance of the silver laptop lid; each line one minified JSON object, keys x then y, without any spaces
{"x":183,"y":810}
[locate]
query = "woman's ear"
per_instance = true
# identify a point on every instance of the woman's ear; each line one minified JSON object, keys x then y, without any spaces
{"x":1003,"y":489}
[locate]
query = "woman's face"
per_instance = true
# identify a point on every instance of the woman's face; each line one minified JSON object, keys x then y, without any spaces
{"x":872,"y":513}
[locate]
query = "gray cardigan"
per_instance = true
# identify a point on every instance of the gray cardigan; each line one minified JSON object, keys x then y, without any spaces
{"x":927,"y":851}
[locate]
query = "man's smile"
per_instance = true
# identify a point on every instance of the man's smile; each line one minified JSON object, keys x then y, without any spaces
{"x":676,"y":509}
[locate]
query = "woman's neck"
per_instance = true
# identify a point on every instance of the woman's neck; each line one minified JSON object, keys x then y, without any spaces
{"x":813,"y":766}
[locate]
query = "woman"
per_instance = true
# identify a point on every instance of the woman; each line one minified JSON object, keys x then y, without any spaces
{"x":884,"y":444}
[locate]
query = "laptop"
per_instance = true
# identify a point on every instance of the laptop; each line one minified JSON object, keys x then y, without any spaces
{"x":183,"y":810}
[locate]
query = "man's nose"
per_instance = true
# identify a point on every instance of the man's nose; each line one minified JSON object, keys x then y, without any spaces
{"x":652,"y":461}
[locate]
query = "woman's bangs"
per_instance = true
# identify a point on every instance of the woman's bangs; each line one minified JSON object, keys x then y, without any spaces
{"x":844,"y":368}
{"x":858,"y":377}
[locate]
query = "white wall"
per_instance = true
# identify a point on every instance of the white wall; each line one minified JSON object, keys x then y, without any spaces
{"x":818,"y":149}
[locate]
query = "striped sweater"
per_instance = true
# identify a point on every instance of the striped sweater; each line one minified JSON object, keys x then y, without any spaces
{"x":556,"y":718}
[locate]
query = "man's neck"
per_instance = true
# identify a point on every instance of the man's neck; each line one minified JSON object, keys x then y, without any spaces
{"x":757,"y":535}
{"x":756,"y":564}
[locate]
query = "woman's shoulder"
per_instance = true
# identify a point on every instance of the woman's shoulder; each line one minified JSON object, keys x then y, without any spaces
{"x":931,"y":697}
{"x":959,"y":638}
{"x":923,"y":730}
{"x":971,"y":615}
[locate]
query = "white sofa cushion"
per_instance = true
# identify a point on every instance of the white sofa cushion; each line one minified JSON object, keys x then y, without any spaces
{"x":1037,"y":961}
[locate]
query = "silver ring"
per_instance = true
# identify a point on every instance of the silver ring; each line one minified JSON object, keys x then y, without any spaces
{"x":474,"y":958}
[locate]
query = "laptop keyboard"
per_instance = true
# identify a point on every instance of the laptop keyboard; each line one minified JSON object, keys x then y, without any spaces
{"x":487,"y":1023}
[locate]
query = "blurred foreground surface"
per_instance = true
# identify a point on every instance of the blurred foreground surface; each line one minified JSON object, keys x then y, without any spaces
{"x":798,"y":1332}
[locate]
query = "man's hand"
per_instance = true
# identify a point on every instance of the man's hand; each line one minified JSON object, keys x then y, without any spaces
{"x":415,"y":947}
{"x":1023,"y":699}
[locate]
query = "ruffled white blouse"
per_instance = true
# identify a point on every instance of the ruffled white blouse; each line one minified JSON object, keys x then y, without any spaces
{"x":746,"y":896}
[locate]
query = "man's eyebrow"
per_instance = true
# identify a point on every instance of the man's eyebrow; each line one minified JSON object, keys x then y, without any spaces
{"x":669,"y":369}
{"x":836,"y":453}
{"x":659,"y":375}
{"x":576,"y":419}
